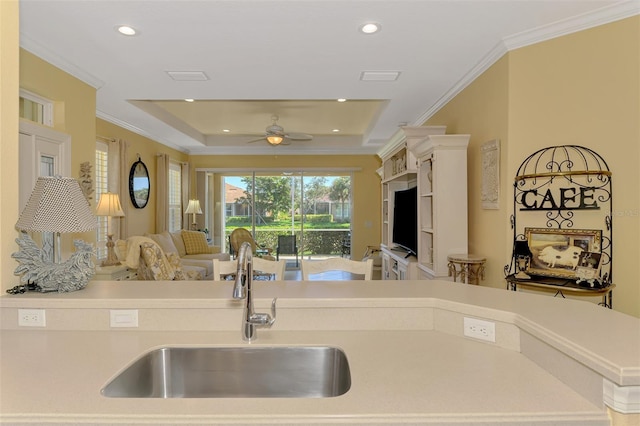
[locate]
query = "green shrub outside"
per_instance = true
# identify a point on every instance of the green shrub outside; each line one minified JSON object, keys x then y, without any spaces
{"x":241,"y":221}
{"x":316,"y":241}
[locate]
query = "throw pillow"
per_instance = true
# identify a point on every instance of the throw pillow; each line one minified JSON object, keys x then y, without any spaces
{"x":165,"y":242}
{"x":156,"y":262}
{"x":179,"y":243}
{"x":121,"y":250}
{"x":195,"y":242}
{"x":176,"y":264}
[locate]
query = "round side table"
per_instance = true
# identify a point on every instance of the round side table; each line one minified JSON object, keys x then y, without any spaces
{"x":469,"y":267}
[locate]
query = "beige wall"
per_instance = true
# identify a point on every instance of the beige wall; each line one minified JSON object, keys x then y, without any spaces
{"x":581,"y":89}
{"x":139,"y":221}
{"x":9,"y":83}
{"x":366,"y":182}
{"x":481,"y":110}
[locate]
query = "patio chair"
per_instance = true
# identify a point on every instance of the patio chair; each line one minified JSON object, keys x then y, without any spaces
{"x":287,"y":245}
{"x":240,"y":235}
{"x":338,"y":264}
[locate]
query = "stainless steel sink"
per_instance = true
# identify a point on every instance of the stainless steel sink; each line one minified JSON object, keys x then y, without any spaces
{"x":235,"y":372}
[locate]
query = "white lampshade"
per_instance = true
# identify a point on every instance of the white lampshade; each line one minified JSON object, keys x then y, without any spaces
{"x":57,"y":204}
{"x":109,"y":205}
{"x":193,"y":207}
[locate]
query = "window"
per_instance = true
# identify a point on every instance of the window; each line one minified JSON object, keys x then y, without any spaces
{"x":35,"y":108}
{"x":101,"y":173}
{"x":175,"y":196}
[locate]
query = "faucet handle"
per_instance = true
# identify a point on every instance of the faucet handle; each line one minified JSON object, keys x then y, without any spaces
{"x":273,"y":311}
{"x":264,"y":320}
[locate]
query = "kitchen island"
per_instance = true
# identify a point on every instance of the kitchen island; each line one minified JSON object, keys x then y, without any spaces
{"x":410,"y":362}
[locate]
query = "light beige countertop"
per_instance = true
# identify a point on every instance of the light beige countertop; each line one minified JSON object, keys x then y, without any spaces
{"x":410,"y":363}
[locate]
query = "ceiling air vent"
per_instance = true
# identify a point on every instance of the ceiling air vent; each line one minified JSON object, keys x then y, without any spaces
{"x":379,"y":75}
{"x":188,"y":75}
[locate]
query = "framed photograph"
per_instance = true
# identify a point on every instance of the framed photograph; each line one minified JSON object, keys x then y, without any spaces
{"x":557,"y":252}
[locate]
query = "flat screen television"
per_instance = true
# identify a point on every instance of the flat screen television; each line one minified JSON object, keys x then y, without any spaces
{"x":405,"y":220}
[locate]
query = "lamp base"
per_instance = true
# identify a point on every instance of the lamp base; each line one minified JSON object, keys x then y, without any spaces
{"x":112,"y":259}
{"x":522,"y":263}
{"x":522,"y":276}
{"x":194,"y":226}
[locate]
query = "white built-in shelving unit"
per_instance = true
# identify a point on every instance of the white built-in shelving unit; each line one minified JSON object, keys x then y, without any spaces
{"x":399,"y":171}
{"x":442,"y":203}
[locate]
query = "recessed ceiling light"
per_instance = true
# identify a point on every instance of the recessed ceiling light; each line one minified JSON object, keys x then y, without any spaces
{"x":342,"y":100}
{"x":126,"y":30}
{"x":370,"y":28}
{"x":335,"y":130}
{"x":188,"y":100}
{"x":226,"y":130}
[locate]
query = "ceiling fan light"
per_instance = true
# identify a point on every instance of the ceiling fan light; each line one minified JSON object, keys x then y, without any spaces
{"x":275,"y":139}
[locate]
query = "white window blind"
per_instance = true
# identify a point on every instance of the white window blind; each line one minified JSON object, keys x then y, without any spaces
{"x":175,"y":191}
{"x":101,"y":181}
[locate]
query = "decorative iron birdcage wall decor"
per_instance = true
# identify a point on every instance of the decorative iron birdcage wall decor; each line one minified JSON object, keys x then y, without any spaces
{"x":564,"y":188}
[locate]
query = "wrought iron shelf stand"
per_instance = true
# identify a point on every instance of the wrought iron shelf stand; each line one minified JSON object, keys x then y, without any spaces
{"x":563,"y":189}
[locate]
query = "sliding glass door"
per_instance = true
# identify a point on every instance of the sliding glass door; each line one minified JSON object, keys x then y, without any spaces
{"x":314,"y":207}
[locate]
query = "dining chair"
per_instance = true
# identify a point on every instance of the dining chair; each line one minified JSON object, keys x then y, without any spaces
{"x":336,"y":264}
{"x":263,"y":270}
{"x":224,"y":268}
{"x":274,"y":268}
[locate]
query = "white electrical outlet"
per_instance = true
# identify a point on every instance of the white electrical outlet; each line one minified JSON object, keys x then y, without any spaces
{"x":31,"y":318}
{"x":480,"y":329}
{"x":123,"y":317}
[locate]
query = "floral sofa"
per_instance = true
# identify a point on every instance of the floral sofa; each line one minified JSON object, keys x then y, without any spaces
{"x":181,"y":255}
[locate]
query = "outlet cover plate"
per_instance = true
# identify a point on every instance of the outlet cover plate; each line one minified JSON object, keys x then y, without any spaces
{"x":480,"y":329}
{"x":121,"y":318}
{"x":31,"y":318}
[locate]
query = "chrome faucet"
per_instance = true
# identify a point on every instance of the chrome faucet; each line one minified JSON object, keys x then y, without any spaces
{"x":242,"y":290}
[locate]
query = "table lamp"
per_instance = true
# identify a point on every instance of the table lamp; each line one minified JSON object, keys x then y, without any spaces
{"x":194,"y":209}
{"x":109,"y":205}
{"x":56,"y":205}
{"x":523,"y":256}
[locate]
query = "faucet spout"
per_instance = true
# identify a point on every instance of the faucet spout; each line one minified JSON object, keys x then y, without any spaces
{"x":245,"y":261}
{"x":242,"y":290}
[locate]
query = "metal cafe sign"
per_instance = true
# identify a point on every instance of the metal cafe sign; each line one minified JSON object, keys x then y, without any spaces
{"x":570,"y":198}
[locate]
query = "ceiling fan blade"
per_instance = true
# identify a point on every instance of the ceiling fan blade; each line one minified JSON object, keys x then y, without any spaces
{"x":299,"y":136}
{"x":257,"y":140}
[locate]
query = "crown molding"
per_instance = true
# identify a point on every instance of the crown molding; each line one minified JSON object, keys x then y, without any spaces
{"x":574,"y":24}
{"x":111,"y":119}
{"x":582,"y":22}
{"x":487,"y":61}
{"x":47,"y":55}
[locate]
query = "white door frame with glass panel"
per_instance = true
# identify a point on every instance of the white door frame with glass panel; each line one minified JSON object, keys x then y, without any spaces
{"x":42,"y":152}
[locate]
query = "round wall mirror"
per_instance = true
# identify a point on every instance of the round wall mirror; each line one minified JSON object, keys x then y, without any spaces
{"x":139,"y":184}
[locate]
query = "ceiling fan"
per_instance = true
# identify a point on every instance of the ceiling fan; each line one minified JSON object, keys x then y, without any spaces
{"x":275,"y":134}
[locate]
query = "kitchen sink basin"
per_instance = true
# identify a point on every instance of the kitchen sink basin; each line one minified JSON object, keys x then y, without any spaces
{"x":234,"y":372}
